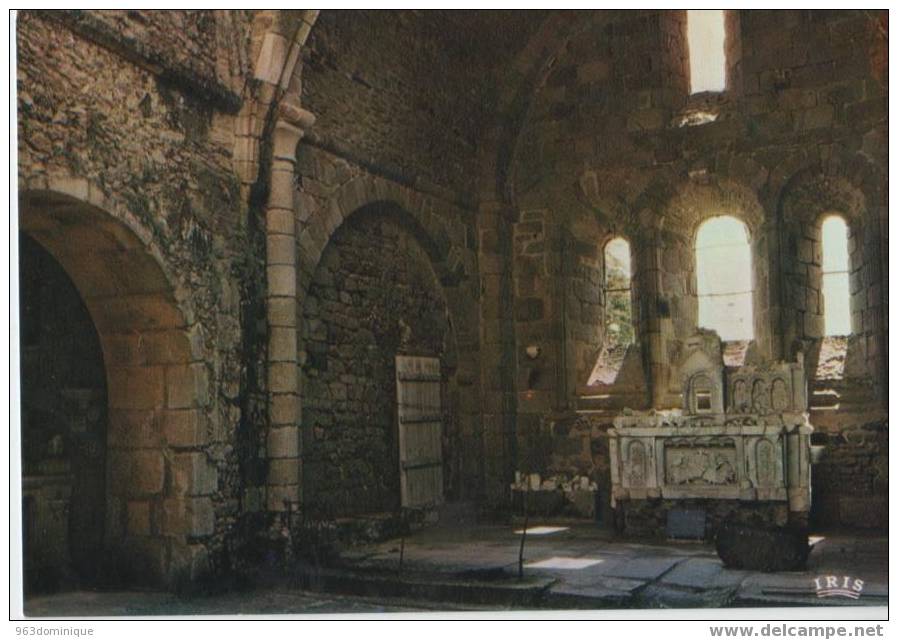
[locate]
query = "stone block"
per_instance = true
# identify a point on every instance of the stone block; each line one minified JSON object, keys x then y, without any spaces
{"x":282,"y":280}
{"x":188,"y":517}
{"x":133,"y":429}
{"x":282,"y":377}
{"x":283,"y":442}
{"x":136,"y":473}
{"x":135,"y":387}
{"x":282,"y":344}
{"x":280,"y":221}
{"x":123,"y":350}
{"x":283,"y":409}
{"x":78,"y":188}
{"x":281,"y":249}
{"x":283,"y":471}
{"x":282,"y":312}
{"x":166,"y":347}
{"x":183,"y":428}
{"x":280,"y":195}
{"x":193,"y":475}
{"x":186,"y":386}
{"x":272,"y":55}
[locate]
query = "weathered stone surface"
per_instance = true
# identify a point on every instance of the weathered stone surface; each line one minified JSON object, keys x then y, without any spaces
{"x":145,"y":169}
{"x":376,"y":297}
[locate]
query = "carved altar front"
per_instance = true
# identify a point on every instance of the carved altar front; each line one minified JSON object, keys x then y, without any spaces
{"x":742,"y":435}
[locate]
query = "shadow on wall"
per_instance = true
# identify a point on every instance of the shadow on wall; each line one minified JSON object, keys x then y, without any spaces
{"x":373,"y":296}
{"x":64,"y":420}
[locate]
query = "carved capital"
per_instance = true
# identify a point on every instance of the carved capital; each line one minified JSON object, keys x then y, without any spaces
{"x":292,"y":123}
{"x":290,"y":111}
{"x":284,"y":140}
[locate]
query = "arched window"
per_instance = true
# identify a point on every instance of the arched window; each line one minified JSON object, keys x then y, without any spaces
{"x":724,"y":278}
{"x":619,"y":332}
{"x":618,"y":307}
{"x":706,"y":33}
{"x":835,"y":287}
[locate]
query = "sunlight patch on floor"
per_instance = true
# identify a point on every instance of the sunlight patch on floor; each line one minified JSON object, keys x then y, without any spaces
{"x":560,"y":562}
{"x":541,"y":531}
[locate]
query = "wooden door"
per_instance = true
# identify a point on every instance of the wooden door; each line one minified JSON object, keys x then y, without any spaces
{"x":420,"y":430}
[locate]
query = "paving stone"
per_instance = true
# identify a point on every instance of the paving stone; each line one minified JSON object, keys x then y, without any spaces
{"x":642,"y":568}
{"x":699,"y":573}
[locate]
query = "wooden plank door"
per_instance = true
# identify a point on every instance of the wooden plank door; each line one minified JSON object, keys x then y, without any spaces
{"x":420,"y":430}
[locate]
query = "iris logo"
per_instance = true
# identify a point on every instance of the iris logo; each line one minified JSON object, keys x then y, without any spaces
{"x":838,"y":586}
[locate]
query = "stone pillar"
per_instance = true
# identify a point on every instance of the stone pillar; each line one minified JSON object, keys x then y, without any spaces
{"x":283,"y":372}
{"x":654,"y":334}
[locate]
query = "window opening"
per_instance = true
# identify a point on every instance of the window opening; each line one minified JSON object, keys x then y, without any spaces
{"x":724,"y":279}
{"x":836,"y":302}
{"x":618,"y":317}
{"x":706,"y":34}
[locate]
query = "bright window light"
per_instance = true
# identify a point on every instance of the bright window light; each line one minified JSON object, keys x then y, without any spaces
{"x":707,"y":57}
{"x":724,"y":278}
{"x":836,"y":297}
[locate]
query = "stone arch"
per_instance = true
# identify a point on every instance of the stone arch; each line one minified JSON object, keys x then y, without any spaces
{"x":318,"y":320}
{"x":807,"y":198}
{"x":158,"y":483}
{"x":604,"y":362}
{"x":276,"y":40}
{"x":670,"y":210}
{"x":444,"y":242}
{"x":689,"y":205}
{"x":437,"y":227}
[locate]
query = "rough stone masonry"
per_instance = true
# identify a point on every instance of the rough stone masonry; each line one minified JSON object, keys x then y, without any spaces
{"x":246,"y":215}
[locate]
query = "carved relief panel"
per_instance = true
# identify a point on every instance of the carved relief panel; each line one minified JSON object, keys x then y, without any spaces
{"x":776,"y":388}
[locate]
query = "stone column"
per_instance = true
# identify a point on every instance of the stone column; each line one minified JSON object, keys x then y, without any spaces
{"x":653,"y":327}
{"x":283,"y":372}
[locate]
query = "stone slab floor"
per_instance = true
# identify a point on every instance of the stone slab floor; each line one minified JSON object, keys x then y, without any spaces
{"x":585,"y":567}
{"x":476,"y":568}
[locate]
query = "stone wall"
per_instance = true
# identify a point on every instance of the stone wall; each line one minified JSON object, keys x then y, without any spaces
{"x":373,"y":296}
{"x":145,"y":151}
{"x":610,"y":137}
{"x":851,"y":481}
{"x":331,"y":192}
{"x":484,"y":159}
{"x":382,"y":85}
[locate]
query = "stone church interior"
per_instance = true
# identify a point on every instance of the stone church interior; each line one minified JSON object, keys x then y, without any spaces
{"x":293,"y":282}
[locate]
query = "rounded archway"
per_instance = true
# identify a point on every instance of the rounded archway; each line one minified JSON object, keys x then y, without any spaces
{"x":157,"y":486}
{"x":64,"y":416}
{"x":373,"y":304}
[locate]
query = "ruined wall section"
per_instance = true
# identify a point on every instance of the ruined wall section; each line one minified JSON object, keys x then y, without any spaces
{"x":400,"y":89}
{"x":612,"y":134}
{"x":373,"y":297}
{"x":87,"y":112}
{"x":334,"y":193}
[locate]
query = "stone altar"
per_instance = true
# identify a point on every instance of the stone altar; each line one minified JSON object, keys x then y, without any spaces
{"x":742,"y":435}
